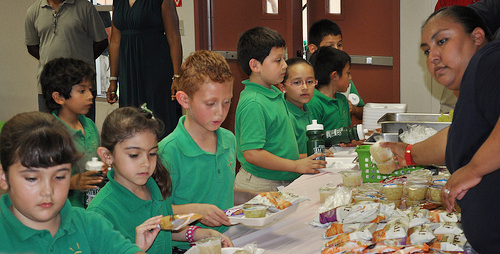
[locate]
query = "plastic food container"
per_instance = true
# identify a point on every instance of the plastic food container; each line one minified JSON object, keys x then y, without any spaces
{"x":435,"y":192}
{"x":417,"y":192}
{"x":325,"y":192}
{"x":393,"y":191}
{"x":254,"y":211}
{"x":210,"y":245}
{"x":359,"y":198}
{"x":396,"y":202}
{"x":351,"y":178}
{"x":410,"y":203}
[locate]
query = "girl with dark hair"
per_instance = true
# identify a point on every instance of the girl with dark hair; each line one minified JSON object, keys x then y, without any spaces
{"x":136,"y":196}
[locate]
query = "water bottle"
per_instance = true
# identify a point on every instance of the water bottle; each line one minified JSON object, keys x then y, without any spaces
{"x":344,"y":135}
{"x":315,"y":142}
{"x":94,"y":165}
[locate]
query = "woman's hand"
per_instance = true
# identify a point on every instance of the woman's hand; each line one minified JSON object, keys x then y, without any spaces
{"x":85,"y":181}
{"x":457,"y":186}
{"x":145,"y":234}
{"x":111,"y":93}
{"x":202,"y":233}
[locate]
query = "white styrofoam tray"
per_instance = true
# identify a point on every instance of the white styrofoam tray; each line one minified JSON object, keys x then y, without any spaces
{"x":228,"y":250}
{"x":260,"y":222}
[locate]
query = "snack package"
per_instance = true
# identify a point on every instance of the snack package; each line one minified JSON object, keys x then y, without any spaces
{"x":443,"y":228}
{"x":395,"y":229}
{"x":420,"y":234}
{"x":418,"y":217}
{"x":424,"y":248}
{"x":450,"y":242}
{"x":364,"y":233}
{"x":443,"y":216}
{"x":339,"y":228}
{"x":380,"y":247}
{"x":178,"y":221}
{"x":349,"y":246}
{"x":357,"y":213}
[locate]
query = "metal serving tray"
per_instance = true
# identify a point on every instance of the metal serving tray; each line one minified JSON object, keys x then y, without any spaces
{"x":398,"y":122}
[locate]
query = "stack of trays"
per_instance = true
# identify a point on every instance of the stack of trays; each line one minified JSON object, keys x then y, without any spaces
{"x":372,"y":112}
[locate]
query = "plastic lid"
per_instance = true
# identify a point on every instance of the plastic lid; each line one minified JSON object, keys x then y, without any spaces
{"x":94,"y":164}
{"x":354,"y":99}
{"x":314,"y":126}
{"x":361,"y":132}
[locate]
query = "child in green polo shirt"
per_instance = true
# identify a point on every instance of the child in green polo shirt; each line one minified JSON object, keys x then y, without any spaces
{"x":137,"y":194}
{"x":201,"y":155}
{"x":332,"y":68}
{"x":36,"y":152}
{"x":265,"y":140}
{"x":66,"y":86}
{"x":298,"y":87}
{"x":325,"y":32}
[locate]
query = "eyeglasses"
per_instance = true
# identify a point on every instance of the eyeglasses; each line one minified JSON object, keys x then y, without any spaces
{"x":299,"y":83}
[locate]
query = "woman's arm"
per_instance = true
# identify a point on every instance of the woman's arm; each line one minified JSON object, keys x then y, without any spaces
{"x":484,"y":161}
{"x":171,"y":24}
{"x":114,"y":51}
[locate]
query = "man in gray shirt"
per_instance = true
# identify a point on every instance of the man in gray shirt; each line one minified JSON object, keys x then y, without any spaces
{"x":64,"y":28}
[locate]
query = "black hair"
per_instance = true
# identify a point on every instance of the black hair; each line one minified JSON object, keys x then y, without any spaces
{"x":465,"y":16}
{"x":327,"y":60}
{"x":293,"y":61}
{"x":60,"y":75}
{"x":124,"y":123}
{"x":256,"y":43}
{"x":322,"y":28}
{"x":36,"y":140}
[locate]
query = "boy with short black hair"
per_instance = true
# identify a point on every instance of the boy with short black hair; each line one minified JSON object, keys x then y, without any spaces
{"x":66,"y":86}
{"x":265,"y":140}
{"x":332,"y":70}
{"x":325,"y":32}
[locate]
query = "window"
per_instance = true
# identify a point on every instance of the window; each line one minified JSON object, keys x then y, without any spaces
{"x":334,"y":7}
{"x":272,"y":6}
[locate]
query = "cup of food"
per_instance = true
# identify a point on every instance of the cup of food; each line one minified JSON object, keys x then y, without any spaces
{"x":254,"y":211}
{"x":393,"y":191}
{"x":417,"y":192}
{"x":435,"y":192}
{"x":351,"y":178}
{"x":210,"y":245}
{"x":325,"y":192}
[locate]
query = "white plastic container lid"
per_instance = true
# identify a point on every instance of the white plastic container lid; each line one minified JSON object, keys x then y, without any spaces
{"x":354,"y":99}
{"x":361,"y":131}
{"x":94,"y":165}
{"x":314,"y":126}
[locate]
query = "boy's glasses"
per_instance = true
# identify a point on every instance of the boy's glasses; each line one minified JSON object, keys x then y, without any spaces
{"x":299,"y":83}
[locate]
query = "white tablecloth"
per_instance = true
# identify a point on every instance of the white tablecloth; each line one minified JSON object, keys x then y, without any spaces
{"x":292,"y":234}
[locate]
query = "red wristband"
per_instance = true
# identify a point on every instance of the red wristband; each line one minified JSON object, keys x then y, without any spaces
{"x":408,"y":158}
{"x":190,"y":234}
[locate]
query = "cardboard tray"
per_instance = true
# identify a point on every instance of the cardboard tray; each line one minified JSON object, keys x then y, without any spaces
{"x":260,"y":222}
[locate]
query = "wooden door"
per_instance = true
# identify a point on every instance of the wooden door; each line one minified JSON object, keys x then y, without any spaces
{"x":230,"y":18}
{"x":369,"y":28}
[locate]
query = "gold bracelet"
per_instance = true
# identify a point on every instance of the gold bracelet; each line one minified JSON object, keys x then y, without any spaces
{"x":175,"y":76}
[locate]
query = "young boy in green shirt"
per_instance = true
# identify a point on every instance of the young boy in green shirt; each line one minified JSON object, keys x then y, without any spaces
{"x":325,"y":32}
{"x":66,"y":86}
{"x":36,"y":152}
{"x":265,"y":140}
{"x":201,"y":155}
{"x":328,"y":105}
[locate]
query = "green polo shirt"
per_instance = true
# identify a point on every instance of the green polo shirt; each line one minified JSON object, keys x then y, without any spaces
{"x":86,"y":144}
{"x":300,"y":119}
{"x":332,"y":113}
{"x":79,"y":232}
{"x":199,"y":176}
{"x":126,"y":211}
{"x":262,"y":122}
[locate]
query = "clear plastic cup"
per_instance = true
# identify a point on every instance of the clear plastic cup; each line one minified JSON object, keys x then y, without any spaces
{"x":325,"y":192}
{"x":210,"y":245}
{"x":417,"y":192}
{"x":435,"y":192}
{"x":393,"y":191}
{"x":351,"y":178}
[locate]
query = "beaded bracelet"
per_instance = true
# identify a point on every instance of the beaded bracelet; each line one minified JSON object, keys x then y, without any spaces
{"x":190,"y":234}
{"x":408,"y":157}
